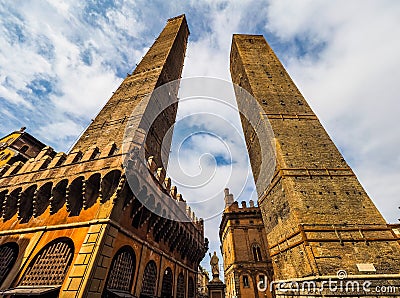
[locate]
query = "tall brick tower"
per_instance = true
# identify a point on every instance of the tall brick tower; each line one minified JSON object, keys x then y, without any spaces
{"x":71,"y":226}
{"x":317,"y":216}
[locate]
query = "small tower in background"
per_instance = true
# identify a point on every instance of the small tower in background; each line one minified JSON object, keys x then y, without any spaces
{"x":244,"y":250}
{"x":228,"y":198}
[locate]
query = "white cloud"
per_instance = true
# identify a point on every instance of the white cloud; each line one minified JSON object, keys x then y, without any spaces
{"x":79,"y":59}
{"x":59,"y":130}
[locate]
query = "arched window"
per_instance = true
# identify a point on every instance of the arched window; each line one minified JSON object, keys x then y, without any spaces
{"x":246,"y":283}
{"x":49,"y":267}
{"x":180,"y":286}
{"x":8,"y":256}
{"x":122,"y":271}
{"x":149,"y":280}
{"x":257,"y":253}
{"x":167,"y":284}
{"x":262,"y":280}
{"x":190,"y":288}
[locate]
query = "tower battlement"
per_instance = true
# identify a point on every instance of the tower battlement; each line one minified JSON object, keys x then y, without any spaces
{"x":232,"y":205}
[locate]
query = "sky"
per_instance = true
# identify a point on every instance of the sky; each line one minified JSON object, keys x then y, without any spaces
{"x":60,"y":61}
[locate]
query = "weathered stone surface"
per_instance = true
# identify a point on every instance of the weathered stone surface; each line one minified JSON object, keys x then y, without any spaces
{"x":317,"y":216}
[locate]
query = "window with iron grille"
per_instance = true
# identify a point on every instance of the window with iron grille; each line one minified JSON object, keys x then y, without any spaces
{"x":149,"y":280}
{"x":180,"y":287}
{"x":166,"y":290}
{"x":122,"y":270}
{"x":190,"y":288}
{"x":50,"y":265}
{"x":8,"y":256}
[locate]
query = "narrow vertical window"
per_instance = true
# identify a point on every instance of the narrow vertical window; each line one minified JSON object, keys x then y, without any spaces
{"x":167,"y":282}
{"x":262,"y":281}
{"x":246,"y":281}
{"x":149,"y":280}
{"x":259,"y":253}
{"x":180,"y":287}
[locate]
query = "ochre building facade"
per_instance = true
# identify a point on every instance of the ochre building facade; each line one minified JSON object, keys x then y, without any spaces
{"x":15,"y":149}
{"x":71,"y":225}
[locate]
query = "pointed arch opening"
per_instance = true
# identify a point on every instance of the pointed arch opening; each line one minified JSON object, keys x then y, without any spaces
{"x":191,"y":289}
{"x":180,"y":286}
{"x":167,"y":284}
{"x":149,"y":281}
{"x":121,"y":274}
{"x":257,"y":252}
{"x":48,"y":269}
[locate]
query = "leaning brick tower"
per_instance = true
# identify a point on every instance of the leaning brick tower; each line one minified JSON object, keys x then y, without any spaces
{"x":71,"y":225}
{"x":318,"y":218}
